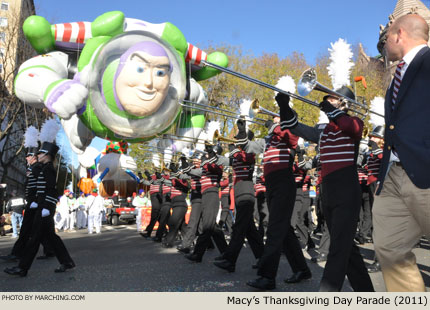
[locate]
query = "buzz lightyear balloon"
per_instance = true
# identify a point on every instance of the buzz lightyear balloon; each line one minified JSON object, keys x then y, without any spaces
{"x":117,"y":78}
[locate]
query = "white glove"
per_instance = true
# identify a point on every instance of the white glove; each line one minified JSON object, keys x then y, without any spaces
{"x":67,"y":98}
{"x":45,"y":212}
{"x":33,"y":205}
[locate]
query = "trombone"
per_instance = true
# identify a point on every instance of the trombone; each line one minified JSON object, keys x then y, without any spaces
{"x":218,"y":138}
{"x":308,"y":82}
{"x":220,"y":111}
{"x":256,"y":108}
{"x":306,"y":74}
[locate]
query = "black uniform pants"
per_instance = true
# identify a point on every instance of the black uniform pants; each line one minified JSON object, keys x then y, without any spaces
{"x":44,"y":227}
{"x":175,"y":221}
{"x":262,"y":213}
{"x":281,"y":195}
{"x":226,"y":215}
{"x":365,"y":224}
{"x":164,"y":217}
{"x":244,"y":226}
{"x":210,"y":207}
{"x":193,"y":223}
{"x":25,"y":233}
{"x":298,"y":220}
{"x":341,"y":197}
{"x":155,"y":212}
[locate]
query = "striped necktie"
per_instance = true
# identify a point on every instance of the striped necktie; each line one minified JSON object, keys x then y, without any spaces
{"x":397,"y":81}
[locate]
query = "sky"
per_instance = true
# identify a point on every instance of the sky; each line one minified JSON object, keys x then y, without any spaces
{"x":282,"y":27}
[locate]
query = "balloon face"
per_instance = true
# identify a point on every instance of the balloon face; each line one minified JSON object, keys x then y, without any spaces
{"x":124,"y":104}
{"x":143,"y":83}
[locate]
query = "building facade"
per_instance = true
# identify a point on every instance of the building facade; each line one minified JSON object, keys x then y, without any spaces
{"x":14,"y":115}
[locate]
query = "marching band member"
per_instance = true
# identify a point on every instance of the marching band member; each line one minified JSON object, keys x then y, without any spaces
{"x":301,"y":206}
{"x":280,"y":194}
{"x":178,"y":194}
{"x":338,"y":142}
{"x":166,"y":205}
{"x":33,"y":170}
{"x":154,"y":181}
{"x":211,"y":175}
{"x":261,"y":202}
{"x":194,"y":223}
{"x":226,"y":220}
{"x":376,"y":144}
{"x":244,"y":197}
{"x":43,"y":224}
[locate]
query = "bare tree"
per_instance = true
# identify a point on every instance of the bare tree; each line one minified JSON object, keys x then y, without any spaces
{"x":15,"y":115}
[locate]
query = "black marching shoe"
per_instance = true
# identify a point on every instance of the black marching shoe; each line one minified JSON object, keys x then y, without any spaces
{"x":64,"y":267}
{"x":256,"y":265}
{"x":299,"y":276}
{"x":183,"y":249}
{"x":193,"y":257}
{"x":219,"y":257}
{"x":166,"y":245}
{"x":16,"y":271}
{"x":319,"y":258}
{"x":262,"y":283}
{"x":45,"y":256}
{"x":145,"y":235}
{"x":226,"y":265}
{"x":9,"y":258}
{"x":375,"y":267}
{"x":156,"y":239}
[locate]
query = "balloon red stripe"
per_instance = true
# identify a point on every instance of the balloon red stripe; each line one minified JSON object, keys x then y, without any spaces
{"x":67,"y":32}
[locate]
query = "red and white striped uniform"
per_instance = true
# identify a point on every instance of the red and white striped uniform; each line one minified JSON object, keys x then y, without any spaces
{"x":259,"y":186}
{"x":195,"y":55}
{"x":225,"y":187}
{"x":306,"y":183}
{"x":362,"y":175}
{"x":211,"y":174}
{"x":166,"y":188}
{"x":196,"y":185}
{"x":277,"y":154}
{"x":243,"y":166}
{"x":78,"y":32}
{"x":338,"y":144}
{"x":154,"y":188}
{"x":299,"y":175}
{"x":373,"y":166}
{"x":177,"y":188}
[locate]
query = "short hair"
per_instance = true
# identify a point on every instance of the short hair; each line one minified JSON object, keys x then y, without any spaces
{"x":414,"y":25}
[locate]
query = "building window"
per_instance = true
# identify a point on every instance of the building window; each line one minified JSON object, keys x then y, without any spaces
{"x":1,"y":52}
{"x":4,"y":6}
{"x":2,"y":37}
{"x":3,"y":21}
{"x":1,"y":68}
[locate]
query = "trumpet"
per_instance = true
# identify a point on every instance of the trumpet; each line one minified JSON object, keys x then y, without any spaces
{"x":217,"y":137}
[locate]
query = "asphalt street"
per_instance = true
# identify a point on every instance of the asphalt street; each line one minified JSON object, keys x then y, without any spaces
{"x":120,"y":260}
